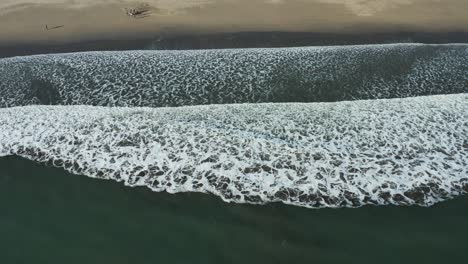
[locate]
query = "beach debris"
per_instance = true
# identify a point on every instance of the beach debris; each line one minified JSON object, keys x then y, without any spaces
{"x":141,"y":11}
{"x":54,"y":27}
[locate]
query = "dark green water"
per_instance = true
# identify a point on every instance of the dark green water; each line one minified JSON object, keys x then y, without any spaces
{"x":49,"y":216}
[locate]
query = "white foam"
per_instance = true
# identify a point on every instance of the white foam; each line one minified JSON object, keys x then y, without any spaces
{"x":175,"y":78}
{"x":398,"y":151}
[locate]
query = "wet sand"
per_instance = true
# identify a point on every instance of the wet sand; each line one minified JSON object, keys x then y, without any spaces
{"x":24,"y":23}
{"x":232,"y":40}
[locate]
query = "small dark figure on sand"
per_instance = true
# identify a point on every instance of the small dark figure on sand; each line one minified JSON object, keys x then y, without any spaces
{"x":50,"y":28}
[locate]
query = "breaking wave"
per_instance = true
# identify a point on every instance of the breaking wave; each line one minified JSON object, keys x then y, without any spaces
{"x":392,"y":151}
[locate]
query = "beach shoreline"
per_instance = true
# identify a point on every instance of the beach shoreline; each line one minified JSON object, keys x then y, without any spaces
{"x":229,"y":41}
{"x":62,"y":22}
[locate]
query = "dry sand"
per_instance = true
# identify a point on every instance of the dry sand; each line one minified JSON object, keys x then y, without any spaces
{"x":25,"y":20}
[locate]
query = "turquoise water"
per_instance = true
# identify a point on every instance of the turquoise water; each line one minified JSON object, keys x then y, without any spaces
{"x":49,"y":216}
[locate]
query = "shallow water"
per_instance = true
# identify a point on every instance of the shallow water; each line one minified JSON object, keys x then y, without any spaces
{"x":49,"y":216}
{"x":180,"y":78}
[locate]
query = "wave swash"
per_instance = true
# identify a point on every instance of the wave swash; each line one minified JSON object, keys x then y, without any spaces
{"x":406,"y":150}
{"x":178,"y":78}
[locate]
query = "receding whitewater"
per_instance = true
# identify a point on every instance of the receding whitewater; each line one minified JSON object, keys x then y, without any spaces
{"x":230,"y":136}
{"x":177,"y":78}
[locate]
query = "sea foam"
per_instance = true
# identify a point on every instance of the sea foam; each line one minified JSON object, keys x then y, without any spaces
{"x":178,"y":78}
{"x":392,"y":151}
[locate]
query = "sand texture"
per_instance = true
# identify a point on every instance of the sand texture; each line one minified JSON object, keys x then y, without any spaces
{"x":77,"y":20}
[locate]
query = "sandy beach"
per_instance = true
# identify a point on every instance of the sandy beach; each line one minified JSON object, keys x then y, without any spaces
{"x":66,"y":21}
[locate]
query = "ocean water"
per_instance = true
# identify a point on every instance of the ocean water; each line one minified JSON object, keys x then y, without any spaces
{"x":381,"y":124}
{"x":49,"y":216}
{"x":275,"y":137}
